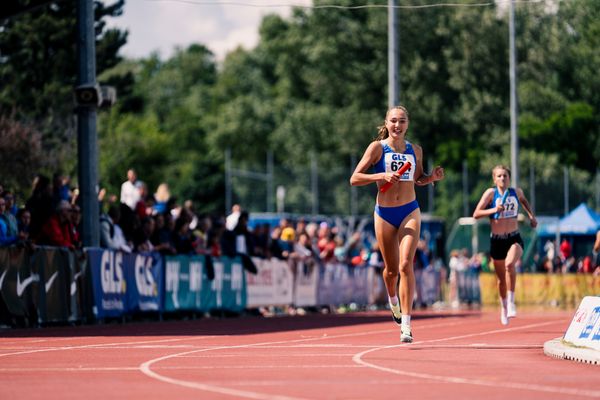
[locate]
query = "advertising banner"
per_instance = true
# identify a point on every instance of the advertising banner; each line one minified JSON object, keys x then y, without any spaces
{"x":184,"y":280}
{"x":16,"y":278}
{"x":51,"y":294}
{"x":144,"y":281}
{"x":273,"y":284}
{"x":108,"y":282}
{"x":227,"y":291}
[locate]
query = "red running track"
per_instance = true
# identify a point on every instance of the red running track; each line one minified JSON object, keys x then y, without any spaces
{"x":461,"y":355}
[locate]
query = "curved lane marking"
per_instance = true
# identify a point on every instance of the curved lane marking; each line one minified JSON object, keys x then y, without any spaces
{"x":358,"y":358}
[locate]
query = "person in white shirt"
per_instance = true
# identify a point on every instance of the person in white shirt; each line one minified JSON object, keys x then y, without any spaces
{"x":130,"y":193}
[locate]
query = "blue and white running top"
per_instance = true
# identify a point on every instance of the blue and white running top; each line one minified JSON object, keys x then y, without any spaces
{"x":510,"y":200}
{"x":391,"y":161}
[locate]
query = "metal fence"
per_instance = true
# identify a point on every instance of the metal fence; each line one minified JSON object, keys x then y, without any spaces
{"x":323,"y":188}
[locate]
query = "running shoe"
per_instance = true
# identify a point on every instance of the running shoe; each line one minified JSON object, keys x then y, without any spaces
{"x":396,"y":313}
{"x":511,"y":310}
{"x":405,"y":334}
{"x":503,"y":316}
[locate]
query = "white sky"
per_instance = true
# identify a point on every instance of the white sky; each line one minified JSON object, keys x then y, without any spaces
{"x":221,"y":25}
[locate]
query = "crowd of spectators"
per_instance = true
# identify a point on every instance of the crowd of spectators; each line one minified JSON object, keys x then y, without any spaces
{"x":560,"y":259}
{"x":50,"y":216}
{"x":138,"y":221}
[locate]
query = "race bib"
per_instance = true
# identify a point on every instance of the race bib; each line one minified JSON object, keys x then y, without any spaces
{"x":395,"y":161}
{"x":511,"y":207}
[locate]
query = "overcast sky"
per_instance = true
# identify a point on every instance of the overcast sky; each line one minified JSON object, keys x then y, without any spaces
{"x":221,"y":25}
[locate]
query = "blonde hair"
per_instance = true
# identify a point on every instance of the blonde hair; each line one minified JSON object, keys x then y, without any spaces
{"x":382,"y":132}
{"x":500,"y":166}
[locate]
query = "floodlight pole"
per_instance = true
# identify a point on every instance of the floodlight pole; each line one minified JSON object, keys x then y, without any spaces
{"x":514,"y":138}
{"x":393,"y":56}
{"x":87,"y":149}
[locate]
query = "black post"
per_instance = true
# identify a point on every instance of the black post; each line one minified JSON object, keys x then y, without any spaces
{"x":86,"y":126}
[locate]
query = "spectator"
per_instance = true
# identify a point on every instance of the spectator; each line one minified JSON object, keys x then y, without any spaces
{"x":261,"y":240}
{"x":75,"y":216}
{"x":111,"y":235}
{"x":161,"y":198}
{"x":214,"y":238}
{"x":232,"y":219}
{"x":240,"y":240}
{"x":130,"y":193}
{"x":11,"y":219}
{"x":162,"y":236}
{"x":565,"y":250}
{"x":141,"y":208}
{"x":275,"y":249}
{"x":5,"y":238}
{"x":142,"y":235}
{"x":183,"y":239}
{"x":40,"y":205}
{"x":61,"y":189}
{"x":23,"y":224}
{"x":201,"y":234}
{"x":58,"y":230}
{"x":302,"y":248}
{"x":286,"y":240}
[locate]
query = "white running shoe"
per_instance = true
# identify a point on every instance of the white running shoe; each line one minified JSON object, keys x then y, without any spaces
{"x":396,"y":313}
{"x":511,"y":310}
{"x":503,"y":316}
{"x":405,"y":334}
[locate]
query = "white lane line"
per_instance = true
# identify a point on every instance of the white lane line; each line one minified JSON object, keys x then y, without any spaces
{"x":176,"y":368}
{"x":101,"y":345}
{"x":480,"y":382}
{"x":146,"y":367}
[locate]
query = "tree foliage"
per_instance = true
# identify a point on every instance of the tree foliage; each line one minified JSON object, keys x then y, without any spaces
{"x":314,"y":89}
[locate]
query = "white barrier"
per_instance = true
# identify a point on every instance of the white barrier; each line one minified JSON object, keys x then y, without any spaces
{"x":585,"y":327}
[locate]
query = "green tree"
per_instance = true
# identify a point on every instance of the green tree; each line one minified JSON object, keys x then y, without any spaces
{"x":38,"y":70}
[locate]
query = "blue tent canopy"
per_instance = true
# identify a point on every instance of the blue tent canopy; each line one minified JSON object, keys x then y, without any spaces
{"x":581,"y":221}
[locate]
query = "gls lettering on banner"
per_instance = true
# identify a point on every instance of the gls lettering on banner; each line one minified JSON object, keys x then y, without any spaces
{"x":144,"y":279}
{"x":111,"y":271}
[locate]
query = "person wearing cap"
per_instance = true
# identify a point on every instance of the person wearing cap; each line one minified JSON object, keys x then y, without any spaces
{"x":58,"y":230}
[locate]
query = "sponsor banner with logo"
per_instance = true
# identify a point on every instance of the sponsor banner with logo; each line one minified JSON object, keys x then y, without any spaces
{"x":108,"y":282}
{"x":227,"y":291}
{"x":50,"y":294}
{"x":144,"y":278}
{"x":16,"y":279}
{"x":273,"y":284}
{"x":306,"y":283}
{"x":184,"y":279}
{"x":584,"y":329}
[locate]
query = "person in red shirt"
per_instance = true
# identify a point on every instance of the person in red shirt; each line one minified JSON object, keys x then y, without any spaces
{"x":565,"y":249}
{"x":58,"y":230}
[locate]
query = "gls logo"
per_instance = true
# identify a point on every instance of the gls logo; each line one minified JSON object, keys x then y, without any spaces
{"x":111,"y":272}
{"x":144,"y":279}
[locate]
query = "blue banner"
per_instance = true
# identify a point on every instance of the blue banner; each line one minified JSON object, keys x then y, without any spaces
{"x":144,"y":277}
{"x":108,"y":282}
